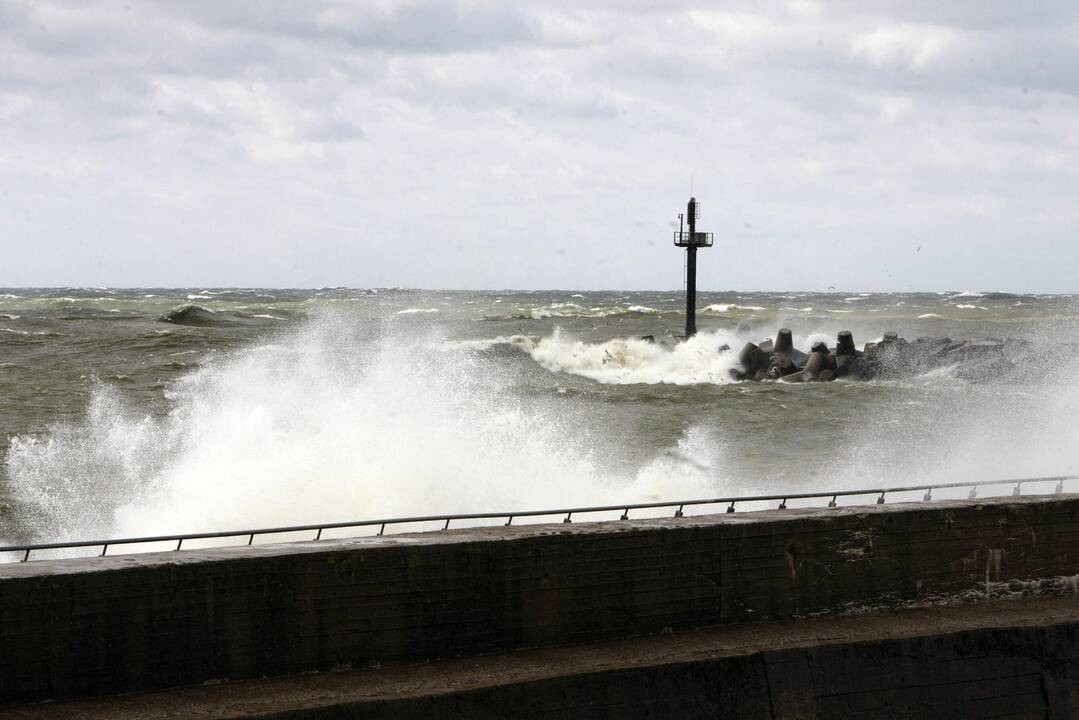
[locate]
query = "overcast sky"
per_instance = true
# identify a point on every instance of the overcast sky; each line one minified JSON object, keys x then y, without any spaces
{"x":903,"y":145}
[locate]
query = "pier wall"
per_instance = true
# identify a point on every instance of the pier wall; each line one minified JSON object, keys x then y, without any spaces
{"x":1013,"y":672}
{"x":138,"y":622}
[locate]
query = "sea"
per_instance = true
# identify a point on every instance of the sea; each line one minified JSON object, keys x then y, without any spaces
{"x":285,"y":407}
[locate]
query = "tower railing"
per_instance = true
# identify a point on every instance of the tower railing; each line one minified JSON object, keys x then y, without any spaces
{"x":698,"y":239}
{"x":22,"y":552}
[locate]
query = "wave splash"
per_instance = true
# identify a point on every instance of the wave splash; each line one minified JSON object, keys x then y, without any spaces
{"x":331,"y":422}
{"x":632,"y":360}
{"x":706,"y":358}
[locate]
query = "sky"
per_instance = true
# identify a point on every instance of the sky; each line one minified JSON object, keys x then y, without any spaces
{"x":872,"y":146}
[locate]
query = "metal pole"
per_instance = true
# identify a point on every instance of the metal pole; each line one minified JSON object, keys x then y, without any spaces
{"x":691,"y":272}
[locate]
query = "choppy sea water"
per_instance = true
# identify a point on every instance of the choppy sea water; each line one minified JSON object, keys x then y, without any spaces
{"x":302,"y":406}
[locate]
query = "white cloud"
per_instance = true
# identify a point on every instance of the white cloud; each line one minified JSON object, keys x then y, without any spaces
{"x":913,"y":46}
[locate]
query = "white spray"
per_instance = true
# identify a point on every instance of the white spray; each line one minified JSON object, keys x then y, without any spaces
{"x":331,"y":422}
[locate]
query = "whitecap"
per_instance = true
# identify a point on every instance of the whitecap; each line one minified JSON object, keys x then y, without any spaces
{"x":929,"y":315}
{"x":411,"y":311}
{"x":727,"y":307}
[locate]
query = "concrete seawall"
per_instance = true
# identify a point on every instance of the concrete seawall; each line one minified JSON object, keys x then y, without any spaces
{"x":135,"y":623}
{"x":1002,"y":659}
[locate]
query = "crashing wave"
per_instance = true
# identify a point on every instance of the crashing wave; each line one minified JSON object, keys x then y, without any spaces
{"x":700,"y":360}
{"x":391,"y":427}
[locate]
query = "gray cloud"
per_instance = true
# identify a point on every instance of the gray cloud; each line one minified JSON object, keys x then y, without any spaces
{"x":387,"y":143}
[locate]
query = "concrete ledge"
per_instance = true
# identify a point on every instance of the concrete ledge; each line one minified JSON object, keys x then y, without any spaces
{"x":132,"y":623}
{"x":1014,"y":658}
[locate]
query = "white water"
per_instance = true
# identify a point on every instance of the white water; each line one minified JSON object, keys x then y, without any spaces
{"x":328,"y":423}
{"x":630,"y":361}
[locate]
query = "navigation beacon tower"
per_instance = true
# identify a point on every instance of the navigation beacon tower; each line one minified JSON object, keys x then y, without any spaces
{"x":691,"y":241}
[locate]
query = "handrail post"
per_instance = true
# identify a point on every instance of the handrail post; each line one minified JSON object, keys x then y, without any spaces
{"x":251,"y":538}
{"x":318,"y":535}
{"x":1018,"y":490}
{"x":730,"y":508}
{"x":382,"y":529}
{"x":625,"y":514}
{"x":104,"y":549}
{"x":179,"y":543}
{"x":509,"y":521}
{"x":973,"y":493}
{"x":1060,"y":487}
{"x":831,"y":503}
{"x":447,"y":525}
{"x":928,"y":495}
{"x":678,"y":512}
{"x":26,"y":555}
{"x":783,"y":504}
{"x":880,"y":500}
{"x":568,"y":518}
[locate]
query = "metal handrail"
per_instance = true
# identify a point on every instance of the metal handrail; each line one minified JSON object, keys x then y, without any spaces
{"x":568,"y":512}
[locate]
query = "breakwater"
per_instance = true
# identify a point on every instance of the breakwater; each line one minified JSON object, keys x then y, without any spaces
{"x":140,"y":622}
{"x":984,"y":359}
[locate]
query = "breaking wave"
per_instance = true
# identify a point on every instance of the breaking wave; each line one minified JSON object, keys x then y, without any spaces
{"x":330,"y":422}
{"x":706,"y":358}
{"x":632,"y":360}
